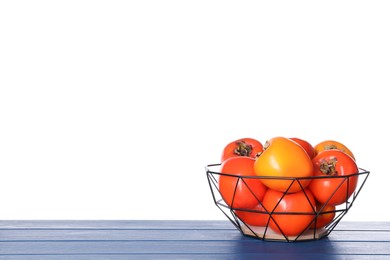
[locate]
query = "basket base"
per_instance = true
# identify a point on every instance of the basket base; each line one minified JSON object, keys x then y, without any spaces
{"x":258,"y":232}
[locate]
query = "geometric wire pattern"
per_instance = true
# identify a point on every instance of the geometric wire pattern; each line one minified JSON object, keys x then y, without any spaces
{"x":264,"y":232}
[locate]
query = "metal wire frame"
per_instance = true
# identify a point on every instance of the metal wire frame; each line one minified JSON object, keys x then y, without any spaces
{"x":308,"y":233}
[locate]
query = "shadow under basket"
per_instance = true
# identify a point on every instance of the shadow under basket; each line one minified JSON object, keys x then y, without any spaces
{"x":264,"y":232}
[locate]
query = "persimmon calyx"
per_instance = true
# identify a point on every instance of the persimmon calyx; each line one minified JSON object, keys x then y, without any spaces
{"x":243,"y":149}
{"x":329,"y":167}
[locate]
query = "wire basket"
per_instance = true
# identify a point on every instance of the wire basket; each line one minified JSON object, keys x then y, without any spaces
{"x":264,"y":232}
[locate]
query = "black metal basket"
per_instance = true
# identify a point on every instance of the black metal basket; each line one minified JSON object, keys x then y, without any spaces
{"x":265,"y":232}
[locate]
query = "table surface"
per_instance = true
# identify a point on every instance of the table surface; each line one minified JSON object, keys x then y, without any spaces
{"x":184,"y":239}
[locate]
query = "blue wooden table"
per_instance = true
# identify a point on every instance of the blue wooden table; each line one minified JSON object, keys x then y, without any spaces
{"x":142,"y":239}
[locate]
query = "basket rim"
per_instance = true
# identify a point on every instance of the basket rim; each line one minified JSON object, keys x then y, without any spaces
{"x":207,"y":167}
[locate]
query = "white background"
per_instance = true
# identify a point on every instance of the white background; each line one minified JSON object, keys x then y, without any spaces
{"x":112,"y":109}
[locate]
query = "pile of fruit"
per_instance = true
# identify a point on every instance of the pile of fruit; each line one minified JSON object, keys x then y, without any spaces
{"x":287,"y":184}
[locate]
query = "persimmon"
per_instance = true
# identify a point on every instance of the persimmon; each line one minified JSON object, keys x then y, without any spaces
{"x":332,"y":145}
{"x":236,"y":183}
{"x":284,"y":165}
{"x":335,"y":181}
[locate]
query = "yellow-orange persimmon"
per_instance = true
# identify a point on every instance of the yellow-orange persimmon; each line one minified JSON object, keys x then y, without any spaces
{"x":282,"y":164}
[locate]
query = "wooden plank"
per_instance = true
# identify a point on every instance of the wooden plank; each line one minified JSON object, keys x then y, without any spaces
{"x":79,"y":230}
{"x":192,"y":256}
{"x":159,"y":224}
{"x":168,"y":234}
{"x":360,"y":235}
{"x":363,"y":225}
{"x":115,"y":235}
{"x":194,"y":247}
{"x":116,"y":224}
